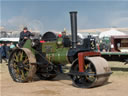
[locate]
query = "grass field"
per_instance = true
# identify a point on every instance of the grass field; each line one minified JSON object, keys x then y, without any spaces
{"x":119,"y":69}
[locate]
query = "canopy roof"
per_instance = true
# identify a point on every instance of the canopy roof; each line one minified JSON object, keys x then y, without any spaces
{"x":111,"y":32}
{"x":10,"y":39}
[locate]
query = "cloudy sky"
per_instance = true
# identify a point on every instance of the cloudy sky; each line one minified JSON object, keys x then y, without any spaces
{"x":46,"y":15}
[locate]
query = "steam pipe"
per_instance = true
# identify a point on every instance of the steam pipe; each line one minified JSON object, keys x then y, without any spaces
{"x":73,"y":17}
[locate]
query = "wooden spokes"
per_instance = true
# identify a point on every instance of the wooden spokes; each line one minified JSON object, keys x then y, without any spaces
{"x":20,"y":65}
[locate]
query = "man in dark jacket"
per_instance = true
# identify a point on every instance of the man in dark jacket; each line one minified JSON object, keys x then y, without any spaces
{"x":7,"y":48}
{"x":3,"y":52}
{"x":24,"y":35}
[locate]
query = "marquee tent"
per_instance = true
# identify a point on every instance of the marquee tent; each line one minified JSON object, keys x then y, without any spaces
{"x":111,"y":32}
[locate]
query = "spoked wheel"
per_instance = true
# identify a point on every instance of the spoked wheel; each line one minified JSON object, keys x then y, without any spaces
{"x":19,"y":66}
{"x":83,"y":81}
{"x":92,"y":67}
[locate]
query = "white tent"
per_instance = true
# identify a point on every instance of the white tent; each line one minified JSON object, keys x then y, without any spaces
{"x":111,"y":32}
{"x":10,"y":39}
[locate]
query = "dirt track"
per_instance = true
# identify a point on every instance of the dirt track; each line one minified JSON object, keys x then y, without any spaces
{"x":62,"y":85}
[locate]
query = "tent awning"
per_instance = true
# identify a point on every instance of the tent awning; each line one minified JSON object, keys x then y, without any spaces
{"x":10,"y":39}
{"x":111,"y":32}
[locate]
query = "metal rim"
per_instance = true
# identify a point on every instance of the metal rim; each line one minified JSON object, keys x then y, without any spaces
{"x":19,"y":66}
{"x":83,"y":81}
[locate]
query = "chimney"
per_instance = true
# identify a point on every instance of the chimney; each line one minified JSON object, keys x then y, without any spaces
{"x":73,"y":17}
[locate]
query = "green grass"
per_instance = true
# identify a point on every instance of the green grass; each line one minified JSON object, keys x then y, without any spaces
{"x":119,"y":69}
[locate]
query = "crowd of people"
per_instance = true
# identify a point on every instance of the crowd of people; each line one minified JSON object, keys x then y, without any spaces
{"x":5,"y":49}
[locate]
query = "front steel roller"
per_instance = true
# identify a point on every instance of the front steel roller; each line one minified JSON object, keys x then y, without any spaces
{"x":96,"y":72}
{"x":21,"y":65}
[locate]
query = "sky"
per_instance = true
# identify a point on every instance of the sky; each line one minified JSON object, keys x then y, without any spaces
{"x":53,"y":15}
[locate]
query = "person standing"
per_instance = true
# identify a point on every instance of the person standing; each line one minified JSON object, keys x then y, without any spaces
{"x":12,"y":47}
{"x":0,"y":53}
{"x":3,"y":52}
{"x":7,"y":50}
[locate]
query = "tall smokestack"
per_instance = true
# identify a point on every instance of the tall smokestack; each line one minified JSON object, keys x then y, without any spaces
{"x":73,"y":16}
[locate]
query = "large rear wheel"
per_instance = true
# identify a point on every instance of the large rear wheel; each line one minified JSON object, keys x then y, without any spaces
{"x":20,"y":67}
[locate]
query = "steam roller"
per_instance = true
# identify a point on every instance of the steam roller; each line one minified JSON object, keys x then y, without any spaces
{"x":45,"y":58}
{"x":94,"y":73}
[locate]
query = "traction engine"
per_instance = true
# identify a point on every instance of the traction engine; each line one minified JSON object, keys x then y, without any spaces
{"x":45,"y":57}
